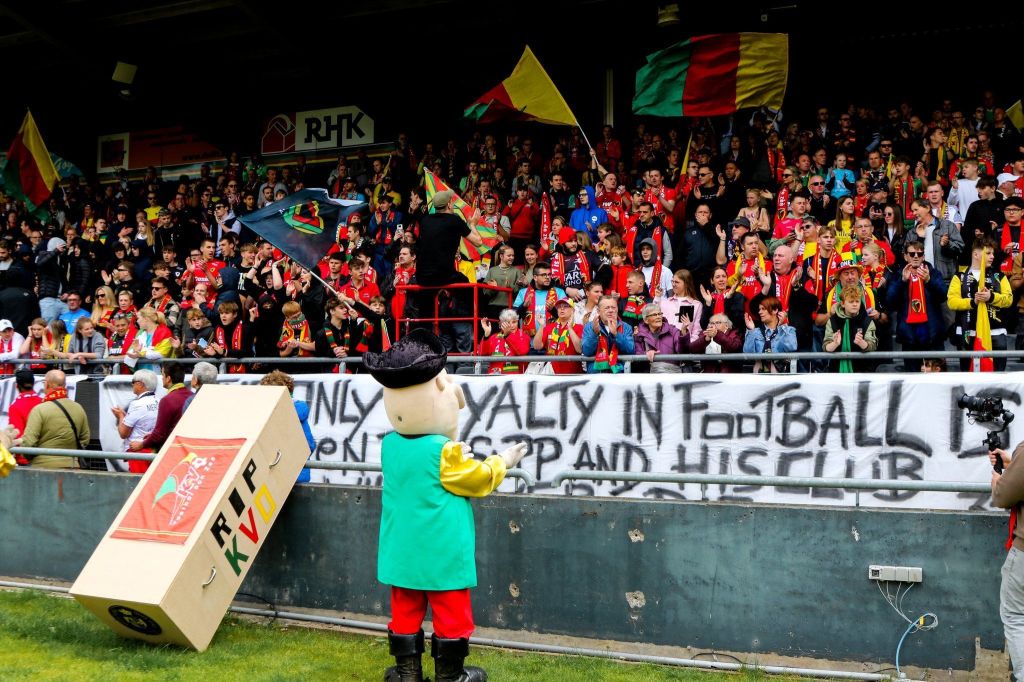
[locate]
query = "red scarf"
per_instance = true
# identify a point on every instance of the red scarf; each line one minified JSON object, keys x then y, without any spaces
{"x":655,"y":279}
{"x":776,"y":163}
{"x":55,"y":394}
{"x":530,"y":303}
{"x":717,"y":303}
{"x":559,"y":266}
{"x":820,"y":282}
{"x":7,"y":368}
{"x":904,"y":195}
{"x":502,"y":349}
{"x":860,"y":203}
{"x":162,"y":305}
{"x":783,"y":288}
{"x":607,"y":359}
{"x":35,"y":350}
{"x":917,"y":308}
{"x":236,"y":344}
{"x":782,"y":203}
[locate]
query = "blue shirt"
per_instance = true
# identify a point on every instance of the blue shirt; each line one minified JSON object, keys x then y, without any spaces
{"x":70,"y":319}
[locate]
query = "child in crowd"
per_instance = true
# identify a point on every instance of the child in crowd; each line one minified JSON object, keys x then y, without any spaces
{"x":620,"y":272}
{"x":631,"y":308}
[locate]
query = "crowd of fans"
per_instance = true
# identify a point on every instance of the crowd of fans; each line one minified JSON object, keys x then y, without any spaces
{"x":858,"y":231}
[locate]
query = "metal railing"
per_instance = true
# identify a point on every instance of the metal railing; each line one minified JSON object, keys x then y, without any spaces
{"x":481,"y":360}
{"x":521,"y":474}
{"x":857,"y":485}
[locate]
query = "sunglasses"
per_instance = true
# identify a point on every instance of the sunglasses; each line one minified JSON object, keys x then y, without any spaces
{"x":817,"y":183}
{"x":915,"y":254}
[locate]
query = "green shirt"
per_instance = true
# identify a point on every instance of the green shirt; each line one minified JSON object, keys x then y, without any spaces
{"x":427,"y":534}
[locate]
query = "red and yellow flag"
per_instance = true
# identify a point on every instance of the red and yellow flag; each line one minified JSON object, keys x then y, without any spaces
{"x":714,"y":75}
{"x":30,"y":175}
{"x":528,"y":94}
{"x":983,"y":328}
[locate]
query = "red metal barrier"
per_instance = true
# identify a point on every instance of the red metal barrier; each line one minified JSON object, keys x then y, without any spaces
{"x":436,"y":320}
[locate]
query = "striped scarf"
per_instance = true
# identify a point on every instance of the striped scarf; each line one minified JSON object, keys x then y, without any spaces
{"x":295,"y":328}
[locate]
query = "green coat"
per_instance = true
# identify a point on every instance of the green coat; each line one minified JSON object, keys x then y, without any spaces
{"x":427,"y":534}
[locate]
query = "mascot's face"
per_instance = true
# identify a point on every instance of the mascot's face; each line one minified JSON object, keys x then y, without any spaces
{"x":427,"y":408}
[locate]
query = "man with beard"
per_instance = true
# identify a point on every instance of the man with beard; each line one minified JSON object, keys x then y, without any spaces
{"x":572,"y":267}
{"x":536,"y":303}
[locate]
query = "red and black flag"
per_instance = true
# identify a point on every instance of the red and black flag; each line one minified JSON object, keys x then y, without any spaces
{"x":303,"y":225}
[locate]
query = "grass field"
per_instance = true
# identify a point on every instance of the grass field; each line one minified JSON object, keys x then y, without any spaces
{"x":46,"y":637}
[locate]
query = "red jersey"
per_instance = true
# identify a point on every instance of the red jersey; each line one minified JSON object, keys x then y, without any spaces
{"x":749,"y":284}
{"x":614,"y":203}
{"x":364,"y":293}
{"x":17,"y":413}
{"x":557,"y":342}
{"x":213,"y":267}
{"x":667,"y":194}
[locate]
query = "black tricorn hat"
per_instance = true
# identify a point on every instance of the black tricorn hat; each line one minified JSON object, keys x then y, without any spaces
{"x":414,"y":359}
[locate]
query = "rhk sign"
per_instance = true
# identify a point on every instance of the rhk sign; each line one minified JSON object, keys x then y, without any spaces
{"x":318,"y":130}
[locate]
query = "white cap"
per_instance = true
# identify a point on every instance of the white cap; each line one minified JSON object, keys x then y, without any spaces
{"x":1007,"y":177}
{"x":5,"y":324}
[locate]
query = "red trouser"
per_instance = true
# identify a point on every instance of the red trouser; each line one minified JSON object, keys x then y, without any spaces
{"x":137,"y":466}
{"x":451,"y":611}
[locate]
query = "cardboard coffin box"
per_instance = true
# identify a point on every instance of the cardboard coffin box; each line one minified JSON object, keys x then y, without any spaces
{"x":176,"y":554}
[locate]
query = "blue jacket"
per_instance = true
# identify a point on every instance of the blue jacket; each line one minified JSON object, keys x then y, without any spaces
{"x":587,"y":218}
{"x":623,"y":340}
{"x":783,"y":342}
{"x":302,"y":409}
{"x":898,"y":299}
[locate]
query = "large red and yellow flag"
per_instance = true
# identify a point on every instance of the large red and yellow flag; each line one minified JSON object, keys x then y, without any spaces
{"x":528,"y":94}
{"x":714,"y":75}
{"x":983,"y":327}
{"x":433,"y":185}
{"x":30,"y":175}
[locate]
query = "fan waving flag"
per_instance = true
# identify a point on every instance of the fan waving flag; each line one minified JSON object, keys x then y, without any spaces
{"x":714,"y":75}
{"x":527,"y":95}
{"x":433,"y":185}
{"x":29,"y":175}
{"x":303,"y":225}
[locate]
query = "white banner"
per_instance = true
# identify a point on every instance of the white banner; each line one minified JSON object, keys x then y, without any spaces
{"x":899,"y":427}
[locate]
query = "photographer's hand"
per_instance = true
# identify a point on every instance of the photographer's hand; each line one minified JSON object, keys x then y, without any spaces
{"x":1003,"y":455}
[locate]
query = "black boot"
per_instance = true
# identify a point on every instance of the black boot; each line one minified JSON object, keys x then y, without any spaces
{"x":407,"y":650}
{"x":448,"y":655}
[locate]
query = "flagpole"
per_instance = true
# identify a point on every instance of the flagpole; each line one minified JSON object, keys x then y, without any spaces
{"x":331,"y":289}
{"x":580,"y":128}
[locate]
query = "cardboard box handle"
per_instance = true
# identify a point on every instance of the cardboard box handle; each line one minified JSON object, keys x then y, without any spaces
{"x":213,"y":574}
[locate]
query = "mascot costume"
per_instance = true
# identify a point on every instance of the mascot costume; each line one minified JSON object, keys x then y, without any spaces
{"x":427,"y":541}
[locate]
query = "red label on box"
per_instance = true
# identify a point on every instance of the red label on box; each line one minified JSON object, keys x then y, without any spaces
{"x":179,"y":490}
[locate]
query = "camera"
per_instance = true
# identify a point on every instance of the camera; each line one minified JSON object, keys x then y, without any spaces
{"x":991,"y":413}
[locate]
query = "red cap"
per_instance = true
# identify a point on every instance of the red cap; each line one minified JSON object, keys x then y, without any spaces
{"x":566,"y":234}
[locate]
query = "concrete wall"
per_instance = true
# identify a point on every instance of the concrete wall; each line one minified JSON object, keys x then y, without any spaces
{"x":773,"y":579}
